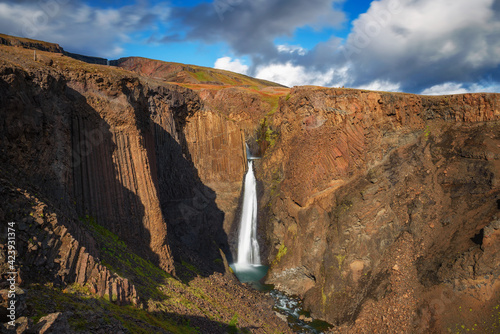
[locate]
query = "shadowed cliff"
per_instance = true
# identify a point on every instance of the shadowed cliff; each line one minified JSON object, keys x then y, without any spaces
{"x":120,"y":174}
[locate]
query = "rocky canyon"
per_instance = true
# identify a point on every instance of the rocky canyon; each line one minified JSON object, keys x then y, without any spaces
{"x":381,"y":211}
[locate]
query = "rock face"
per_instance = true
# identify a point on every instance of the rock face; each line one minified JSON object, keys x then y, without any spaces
{"x":139,"y":157}
{"x":54,"y":247}
{"x":84,"y":156}
{"x":30,"y":44}
{"x":373,"y":200}
{"x":88,"y":150}
{"x":381,"y":210}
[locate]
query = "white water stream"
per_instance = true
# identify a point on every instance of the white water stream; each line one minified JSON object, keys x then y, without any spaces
{"x":248,"y":267}
{"x":248,"y":246}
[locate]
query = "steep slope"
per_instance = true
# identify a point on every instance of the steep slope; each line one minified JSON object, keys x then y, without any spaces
{"x":189,"y":74}
{"x":250,"y":99}
{"x":118,"y":169}
{"x":382,"y":209}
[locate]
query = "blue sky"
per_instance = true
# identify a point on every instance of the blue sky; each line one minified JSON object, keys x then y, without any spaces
{"x":417,"y":46}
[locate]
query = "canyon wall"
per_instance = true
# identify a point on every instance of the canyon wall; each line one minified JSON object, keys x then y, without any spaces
{"x":380,"y":209}
{"x":377,"y":204}
{"x":101,"y":170}
{"x":140,"y":157}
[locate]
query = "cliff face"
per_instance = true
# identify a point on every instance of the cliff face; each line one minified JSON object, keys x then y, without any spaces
{"x":55,"y":247}
{"x":84,"y":148}
{"x":106,"y":174}
{"x":134,"y":155}
{"x":377,"y":205}
{"x":381,"y":210}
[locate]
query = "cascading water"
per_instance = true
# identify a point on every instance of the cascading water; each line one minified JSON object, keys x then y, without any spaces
{"x":248,"y":267}
{"x":248,"y":246}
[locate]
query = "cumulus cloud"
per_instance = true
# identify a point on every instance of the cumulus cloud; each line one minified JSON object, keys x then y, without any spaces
{"x":227,"y":63}
{"x":296,"y":75}
{"x":381,"y":85}
{"x":461,"y":88}
{"x":445,"y":88}
{"x":431,"y":46}
{"x":292,"y":49}
{"x":425,"y":43}
{"x":250,"y":27}
{"x":77,"y":26}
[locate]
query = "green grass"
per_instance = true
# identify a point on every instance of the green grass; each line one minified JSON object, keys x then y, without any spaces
{"x":203,"y":76}
{"x":427,"y":133}
{"x":190,"y":267}
{"x":233,"y":329}
{"x":155,"y":287}
{"x":76,"y":299}
{"x":117,"y":257}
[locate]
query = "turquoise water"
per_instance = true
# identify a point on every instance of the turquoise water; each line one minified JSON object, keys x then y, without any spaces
{"x":289,"y":306}
{"x":251,"y":274}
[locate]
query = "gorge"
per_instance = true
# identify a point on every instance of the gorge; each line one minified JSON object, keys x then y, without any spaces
{"x":380,"y":210}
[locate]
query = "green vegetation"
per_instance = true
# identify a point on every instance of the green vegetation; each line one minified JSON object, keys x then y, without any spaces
{"x":273,"y":101}
{"x":190,"y":267}
{"x":340,"y":259}
{"x":117,"y":257}
{"x":427,"y":132}
{"x":89,"y":311}
{"x":266,"y":136}
{"x":233,"y":329}
{"x":157,"y":289}
{"x":203,"y":76}
{"x":281,"y":252}
{"x":323,"y":296}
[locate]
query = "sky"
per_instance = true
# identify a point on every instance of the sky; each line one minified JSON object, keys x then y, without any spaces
{"x":414,"y":46}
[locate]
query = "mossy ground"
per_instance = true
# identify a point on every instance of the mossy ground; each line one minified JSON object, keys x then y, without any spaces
{"x":189,"y":303}
{"x":88,"y":312}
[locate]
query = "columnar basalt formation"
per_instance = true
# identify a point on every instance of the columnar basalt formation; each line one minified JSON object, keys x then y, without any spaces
{"x":123,"y":151}
{"x":51,"y":248}
{"x":113,"y":162}
{"x":366,"y":191}
{"x":380,"y":209}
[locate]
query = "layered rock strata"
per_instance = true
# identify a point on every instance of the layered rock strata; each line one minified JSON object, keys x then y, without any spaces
{"x":367,"y":190}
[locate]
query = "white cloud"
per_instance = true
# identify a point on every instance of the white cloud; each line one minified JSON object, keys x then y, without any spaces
{"x":296,"y":75}
{"x":458,"y":88}
{"x":402,"y":45}
{"x":485,"y":87}
{"x":251,"y":27}
{"x":78,"y":27}
{"x":425,"y":43}
{"x":227,"y":63}
{"x":445,"y":89}
{"x":291,"y":49}
{"x":381,"y":85}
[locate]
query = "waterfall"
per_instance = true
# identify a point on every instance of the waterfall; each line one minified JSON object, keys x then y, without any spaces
{"x":248,"y":246}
